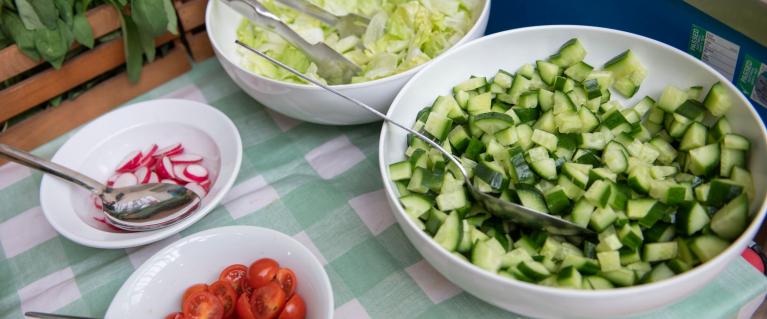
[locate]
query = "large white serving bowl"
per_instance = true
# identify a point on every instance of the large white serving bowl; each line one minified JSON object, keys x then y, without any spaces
{"x":308,"y":102}
{"x":155,"y":289}
{"x":97,"y":148}
{"x":509,"y":50}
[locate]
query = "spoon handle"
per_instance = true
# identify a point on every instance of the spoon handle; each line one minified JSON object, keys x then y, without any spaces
{"x":362,"y":105}
{"x":43,"y":315}
{"x":52,"y":168}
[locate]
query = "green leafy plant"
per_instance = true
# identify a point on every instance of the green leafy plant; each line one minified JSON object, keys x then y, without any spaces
{"x":46,"y":29}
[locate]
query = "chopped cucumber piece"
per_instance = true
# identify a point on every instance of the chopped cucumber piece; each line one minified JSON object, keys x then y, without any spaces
{"x":663,"y":182}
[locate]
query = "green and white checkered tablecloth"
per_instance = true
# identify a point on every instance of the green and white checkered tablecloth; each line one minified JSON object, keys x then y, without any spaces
{"x":319,"y":184}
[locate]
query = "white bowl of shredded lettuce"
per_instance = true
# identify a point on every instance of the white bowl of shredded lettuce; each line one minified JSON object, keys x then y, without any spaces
{"x":402,"y":36}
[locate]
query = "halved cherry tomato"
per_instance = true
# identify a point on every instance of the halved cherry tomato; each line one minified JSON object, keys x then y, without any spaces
{"x":203,"y":305}
{"x":175,"y":315}
{"x":244,"y":311}
{"x":225,"y":292}
{"x":287,"y":280}
{"x":295,"y":308}
{"x":235,"y":274}
{"x":262,"y":272}
{"x":193,"y":289}
{"x":267,"y":301}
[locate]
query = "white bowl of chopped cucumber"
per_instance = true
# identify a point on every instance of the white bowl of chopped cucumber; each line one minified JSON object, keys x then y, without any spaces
{"x":402,"y":37}
{"x":636,"y":140}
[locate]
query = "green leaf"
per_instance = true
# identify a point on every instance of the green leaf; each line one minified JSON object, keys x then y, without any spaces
{"x":24,"y":39}
{"x":56,"y":100}
{"x":52,"y":45}
{"x":133,"y":58}
{"x":81,"y":6}
{"x":5,"y":40}
{"x":82,"y":30}
{"x":65,"y":10}
{"x":147,"y":45}
{"x":28,"y":15}
{"x":170,"y":12}
{"x":46,"y":11}
{"x":66,"y":33}
{"x":149,"y":16}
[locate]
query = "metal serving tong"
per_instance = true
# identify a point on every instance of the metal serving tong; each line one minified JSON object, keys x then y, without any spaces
{"x":331,"y":65}
{"x":349,"y":24}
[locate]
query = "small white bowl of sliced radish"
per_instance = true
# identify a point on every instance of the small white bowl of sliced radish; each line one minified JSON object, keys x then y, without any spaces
{"x":160,"y":141}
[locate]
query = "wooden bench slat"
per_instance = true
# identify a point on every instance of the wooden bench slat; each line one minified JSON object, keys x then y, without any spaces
{"x":191,"y":13}
{"x":103,"y":97}
{"x":199,"y":45}
{"x":103,"y":19}
{"x":51,"y":83}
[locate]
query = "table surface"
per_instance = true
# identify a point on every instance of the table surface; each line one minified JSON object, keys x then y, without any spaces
{"x":319,"y":184}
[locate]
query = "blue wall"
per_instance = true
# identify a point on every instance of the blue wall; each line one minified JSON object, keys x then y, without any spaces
{"x":669,"y":21}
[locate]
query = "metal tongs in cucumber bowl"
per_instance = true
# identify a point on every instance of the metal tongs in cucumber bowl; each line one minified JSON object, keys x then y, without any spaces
{"x":331,"y":65}
{"x":504,"y":209}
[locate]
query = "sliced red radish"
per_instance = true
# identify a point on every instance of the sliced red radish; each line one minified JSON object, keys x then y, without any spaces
{"x":197,"y":189}
{"x":112,"y":179}
{"x":125,"y":180}
{"x":130,"y":162}
{"x":170,"y":150}
{"x":147,"y":158}
{"x":149,"y":162}
{"x":97,"y":202}
{"x":153,"y":178}
{"x":206,"y":185}
{"x":143,"y":174}
{"x":169,"y":181}
{"x":151,"y":150}
{"x":187,"y":158}
{"x":178,"y":170}
{"x":104,"y":221}
{"x":196,"y":173}
{"x":164,"y":168}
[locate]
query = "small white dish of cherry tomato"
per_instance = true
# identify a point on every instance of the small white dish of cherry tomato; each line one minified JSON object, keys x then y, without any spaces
{"x":242,"y":272}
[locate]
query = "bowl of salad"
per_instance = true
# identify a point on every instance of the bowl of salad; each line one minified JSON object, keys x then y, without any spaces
{"x":401,"y":37}
{"x":639,"y":142}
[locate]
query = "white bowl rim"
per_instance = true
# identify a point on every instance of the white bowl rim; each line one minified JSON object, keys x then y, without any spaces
{"x":225,"y":230}
{"x":391,"y":78}
{"x":567,"y":292}
{"x":160,"y":234}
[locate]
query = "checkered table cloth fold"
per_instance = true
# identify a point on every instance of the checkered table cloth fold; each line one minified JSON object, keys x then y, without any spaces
{"x":319,"y":184}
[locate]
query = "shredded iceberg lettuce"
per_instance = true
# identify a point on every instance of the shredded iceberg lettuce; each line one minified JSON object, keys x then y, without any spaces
{"x":402,"y":34}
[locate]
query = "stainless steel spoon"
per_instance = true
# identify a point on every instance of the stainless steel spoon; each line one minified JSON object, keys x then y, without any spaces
{"x":135,"y":208}
{"x":349,"y":24}
{"x":44,"y":315}
{"x":501,"y":208}
{"x":331,"y":65}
